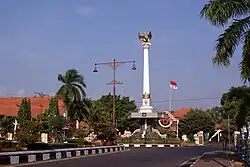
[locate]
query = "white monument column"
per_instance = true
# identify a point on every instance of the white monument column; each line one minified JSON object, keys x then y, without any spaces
{"x":146,"y":107}
{"x":146,"y":87}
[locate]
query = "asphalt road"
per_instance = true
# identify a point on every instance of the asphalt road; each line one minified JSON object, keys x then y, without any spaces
{"x":136,"y":157}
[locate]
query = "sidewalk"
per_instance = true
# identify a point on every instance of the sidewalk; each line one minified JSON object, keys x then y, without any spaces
{"x":213,"y":159}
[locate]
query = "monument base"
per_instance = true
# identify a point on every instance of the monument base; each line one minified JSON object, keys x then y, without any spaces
{"x":146,"y":109}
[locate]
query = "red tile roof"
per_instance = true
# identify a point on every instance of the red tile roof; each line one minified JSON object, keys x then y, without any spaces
{"x":9,"y":106}
{"x":181,"y":113}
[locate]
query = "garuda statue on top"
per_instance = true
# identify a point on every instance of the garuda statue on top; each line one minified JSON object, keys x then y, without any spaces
{"x":143,"y":36}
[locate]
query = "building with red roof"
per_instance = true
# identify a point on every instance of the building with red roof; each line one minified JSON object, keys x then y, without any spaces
{"x":10,"y":106}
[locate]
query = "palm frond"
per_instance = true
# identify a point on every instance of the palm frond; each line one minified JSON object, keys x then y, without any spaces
{"x":60,"y":78}
{"x":229,"y":40}
{"x":219,"y":12}
{"x":75,"y":93}
{"x":61,"y":92}
{"x":80,"y":89}
{"x":79,"y":79}
{"x":69,"y":74}
{"x":245,"y":62}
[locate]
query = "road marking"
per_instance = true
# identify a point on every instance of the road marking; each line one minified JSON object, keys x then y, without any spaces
{"x":191,"y":162}
{"x":64,"y":159}
{"x":184,"y":163}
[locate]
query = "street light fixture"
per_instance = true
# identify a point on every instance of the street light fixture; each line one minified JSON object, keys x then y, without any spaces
{"x":95,"y":69}
{"x":114,"y":65}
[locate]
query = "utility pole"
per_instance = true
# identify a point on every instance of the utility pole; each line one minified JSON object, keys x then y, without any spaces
{"x":114,"y":65}
{"x":116,"y":82}
{"x":228,"y":124}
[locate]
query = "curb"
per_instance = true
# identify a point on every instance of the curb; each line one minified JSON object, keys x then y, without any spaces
{"x":191,"y":162}
{"x":198,"y":158}
{"x":151,"y":145}
{"x":21,"y":157}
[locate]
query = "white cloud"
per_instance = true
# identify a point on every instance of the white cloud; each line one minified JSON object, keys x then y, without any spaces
{"x":52,"y":94}
{"x":19,"y":93}
{"x":85,"y":11}
{"x":3,"y":91}
{"x":7,"y":92}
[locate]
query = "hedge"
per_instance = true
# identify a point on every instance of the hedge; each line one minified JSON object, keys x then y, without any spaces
{"x":132,"y":140}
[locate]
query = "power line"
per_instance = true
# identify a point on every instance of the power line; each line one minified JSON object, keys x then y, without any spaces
{"x":189,"y":99}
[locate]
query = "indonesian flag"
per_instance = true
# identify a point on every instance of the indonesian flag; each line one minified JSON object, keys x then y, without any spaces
{"x":173,"y":85}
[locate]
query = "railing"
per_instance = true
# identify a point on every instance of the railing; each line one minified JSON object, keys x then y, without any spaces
{"x":243,"y":152}
{"x":10,"y":158}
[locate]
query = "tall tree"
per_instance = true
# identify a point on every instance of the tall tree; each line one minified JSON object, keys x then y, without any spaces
{"x":24,"y":112}
{"x":222,"y":12}
{"x":196,"y":120}
{"x":53,"y":109}
{"x":236,"y":105}
{"x":216,"y":114}
{"x":51,"y":120}
{"x":72,"y":88}
{"x":102,"y":111}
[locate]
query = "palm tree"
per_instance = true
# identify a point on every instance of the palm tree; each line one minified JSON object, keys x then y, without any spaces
{"x":72,"y":88}
{"x":222,"y":12}
{"x":80,"y":110}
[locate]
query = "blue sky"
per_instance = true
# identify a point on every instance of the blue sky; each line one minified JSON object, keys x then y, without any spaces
{"x":39,"y":39}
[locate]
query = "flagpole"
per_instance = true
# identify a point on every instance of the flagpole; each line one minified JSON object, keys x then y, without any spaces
{"x":170,"y":99}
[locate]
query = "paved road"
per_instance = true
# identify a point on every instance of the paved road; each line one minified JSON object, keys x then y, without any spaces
{"x":136,"y":157}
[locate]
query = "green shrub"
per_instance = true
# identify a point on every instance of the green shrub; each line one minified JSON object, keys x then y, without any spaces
{"x":191,"y":138}
{"x":50,"y":146}
{"x":63,"y":145}
{"x":28,"y":133}
{"x":173,"y":141}
{"x":79,"y":141}
{"x":39,"y":146}
{"x":8,"y":144}
{"x":81,"y":133}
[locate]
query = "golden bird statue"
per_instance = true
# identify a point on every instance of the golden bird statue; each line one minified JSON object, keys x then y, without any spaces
{"x":145,"y":37}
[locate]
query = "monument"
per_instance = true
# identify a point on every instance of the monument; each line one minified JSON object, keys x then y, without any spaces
{"x":146,"y":113}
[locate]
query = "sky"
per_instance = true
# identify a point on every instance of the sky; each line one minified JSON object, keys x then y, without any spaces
{"x":40,"y":39}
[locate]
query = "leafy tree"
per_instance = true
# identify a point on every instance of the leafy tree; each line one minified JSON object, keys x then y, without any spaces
{"x":51,"y":121}
{"x":102,"y":111}
{"x":216,"y":114}
{"x":56,"y":124}
{"x":24,"y":112}
{"x":236,"y":105}
{"x":53,"y":107}
{"x":6,"y":124}
{"x":28,"y":132}
{"x":196,"y":120}
{"x":222,"y":12}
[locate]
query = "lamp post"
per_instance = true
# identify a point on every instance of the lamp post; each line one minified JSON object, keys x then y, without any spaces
{"x":117,"y":83}
{"x":114,"y":65}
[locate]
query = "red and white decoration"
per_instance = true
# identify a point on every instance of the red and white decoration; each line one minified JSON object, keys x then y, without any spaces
{"x":173,"y":85}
